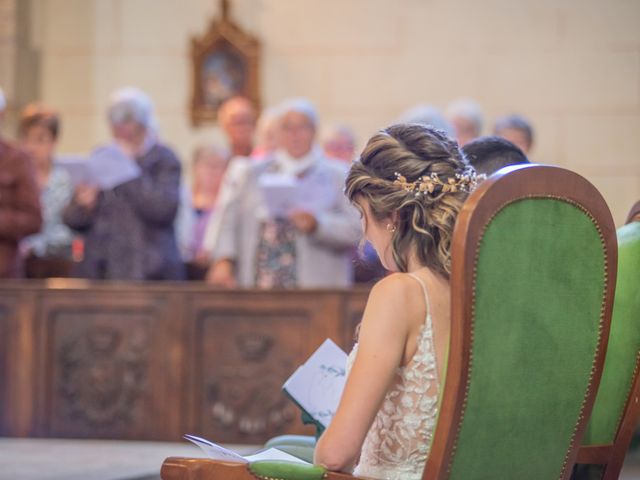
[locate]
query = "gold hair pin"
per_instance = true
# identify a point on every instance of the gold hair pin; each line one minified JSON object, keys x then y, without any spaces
{"x":428,"y":184}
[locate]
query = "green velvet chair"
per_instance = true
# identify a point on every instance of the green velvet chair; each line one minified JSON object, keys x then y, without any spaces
{"x":534,"y":268}
{"x":617,"y":407}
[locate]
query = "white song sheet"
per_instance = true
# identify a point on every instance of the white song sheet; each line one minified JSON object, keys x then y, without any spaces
{"x":106,"y":167}
{"x":284,"y":194}
{"x":317,"y":385}
{"x":218,"y":452}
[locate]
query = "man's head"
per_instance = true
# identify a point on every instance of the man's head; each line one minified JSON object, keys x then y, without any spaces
{"x":489,"y":154}
{"x":466,"y":117}
{"x":237,"y":118}
{"x":299,"y":122}
{"x":517,"y":130}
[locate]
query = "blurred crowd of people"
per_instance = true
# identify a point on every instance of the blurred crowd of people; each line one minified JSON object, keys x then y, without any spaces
{"x":265,"y":210}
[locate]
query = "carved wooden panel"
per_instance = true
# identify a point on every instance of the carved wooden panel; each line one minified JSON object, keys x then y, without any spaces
{"x":101,"y":367}
{"x":242,"y":356}
{"x":15,"y":352}
{"x":152,"y":361}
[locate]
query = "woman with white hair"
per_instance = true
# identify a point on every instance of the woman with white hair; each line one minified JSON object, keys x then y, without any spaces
{"x":129,"y":229}
{"x":287,"y":223}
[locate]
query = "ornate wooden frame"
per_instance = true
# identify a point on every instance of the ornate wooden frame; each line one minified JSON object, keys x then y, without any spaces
{"x":515,"y":182}
{"x":612,"y":456}
{"x":226,"y":62}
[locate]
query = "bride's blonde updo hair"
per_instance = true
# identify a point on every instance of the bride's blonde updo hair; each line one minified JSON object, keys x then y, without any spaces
{"x":419,"y":174}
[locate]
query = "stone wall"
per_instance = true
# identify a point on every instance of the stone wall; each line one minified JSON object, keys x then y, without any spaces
{"x":572,"y":67}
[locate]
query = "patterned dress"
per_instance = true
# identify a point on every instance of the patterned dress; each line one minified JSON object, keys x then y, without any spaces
{"x":398,"y":442}
{"x":54,"y":239}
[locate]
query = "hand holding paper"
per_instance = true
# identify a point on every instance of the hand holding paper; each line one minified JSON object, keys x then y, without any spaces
{"x":316,"y":386}
{"x":105,"y":168}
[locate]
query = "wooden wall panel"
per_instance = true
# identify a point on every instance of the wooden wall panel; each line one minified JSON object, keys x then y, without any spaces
{"x":99,"y":364}
{"x":17,"y":352}
{"x":244,"y":348}
{"x":154,"y":361}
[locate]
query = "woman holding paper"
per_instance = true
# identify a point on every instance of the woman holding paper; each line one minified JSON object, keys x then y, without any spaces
{"x":127,"y":214}
{"x":409,"y":186}
{"x":286,"y":223}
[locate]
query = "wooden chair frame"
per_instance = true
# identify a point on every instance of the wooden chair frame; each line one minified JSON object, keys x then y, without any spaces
{"x":515,"y":183}
{"x":612,"y":455}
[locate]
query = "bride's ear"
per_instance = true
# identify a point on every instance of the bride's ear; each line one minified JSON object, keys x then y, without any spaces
{"x":394,"y":217}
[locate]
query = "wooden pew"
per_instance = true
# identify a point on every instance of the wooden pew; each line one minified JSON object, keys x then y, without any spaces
{"x":152,"y":361}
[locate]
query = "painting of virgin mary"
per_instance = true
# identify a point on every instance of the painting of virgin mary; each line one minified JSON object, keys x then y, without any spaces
{"x":223,"y":75}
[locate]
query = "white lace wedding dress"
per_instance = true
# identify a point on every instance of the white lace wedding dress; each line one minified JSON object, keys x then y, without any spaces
{"x":398,"y":442}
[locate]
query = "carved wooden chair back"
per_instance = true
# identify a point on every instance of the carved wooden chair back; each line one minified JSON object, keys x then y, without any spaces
{"x":534,"y":269}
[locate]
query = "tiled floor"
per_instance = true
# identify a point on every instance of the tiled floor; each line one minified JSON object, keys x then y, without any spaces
{"x":47,"y":459}
{"x":631,"y":469}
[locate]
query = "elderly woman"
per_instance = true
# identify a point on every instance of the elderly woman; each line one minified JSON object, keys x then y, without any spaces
{"x":207,"y":169}
{"x":287,"y":223}
{"x":129,"y":228}
{"x":48,"y":253}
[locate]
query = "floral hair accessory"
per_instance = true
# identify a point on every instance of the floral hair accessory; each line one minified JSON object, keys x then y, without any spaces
{"x":428,"y":184}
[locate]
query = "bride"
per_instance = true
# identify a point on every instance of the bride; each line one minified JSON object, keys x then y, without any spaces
{"x":409,"y":186}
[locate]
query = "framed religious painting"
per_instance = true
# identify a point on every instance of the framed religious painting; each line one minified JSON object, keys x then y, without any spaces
{"x":225,"y":64}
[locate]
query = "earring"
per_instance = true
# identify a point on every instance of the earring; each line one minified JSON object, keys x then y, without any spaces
{"x":391,"y":227}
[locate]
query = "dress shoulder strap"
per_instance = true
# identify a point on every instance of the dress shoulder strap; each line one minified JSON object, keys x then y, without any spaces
{"x":426,"y":297}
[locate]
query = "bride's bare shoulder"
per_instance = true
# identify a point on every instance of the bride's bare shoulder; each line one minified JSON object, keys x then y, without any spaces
{"x":398,"y":290}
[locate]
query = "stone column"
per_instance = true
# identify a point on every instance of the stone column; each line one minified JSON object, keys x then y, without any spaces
{"x":7,"y":57}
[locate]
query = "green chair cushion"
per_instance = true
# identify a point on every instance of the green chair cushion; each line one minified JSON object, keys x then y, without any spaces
{"x":283,"y":470}
{"x":624,"y":342}
{"x":538,"y":298}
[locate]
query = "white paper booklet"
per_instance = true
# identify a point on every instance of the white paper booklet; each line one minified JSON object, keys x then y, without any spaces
{"x":106,"y":167}
{"x":283,"y":194}
{"x":217,"y":452}
{"x":317,"y":385}
{"x":278,"y":193}
{"x":76,"y":166}
{"x":316,"y":194}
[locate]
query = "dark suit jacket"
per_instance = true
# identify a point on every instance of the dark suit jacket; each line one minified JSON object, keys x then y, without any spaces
{"x":130,"y":233}
{"x":19,"y":205}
